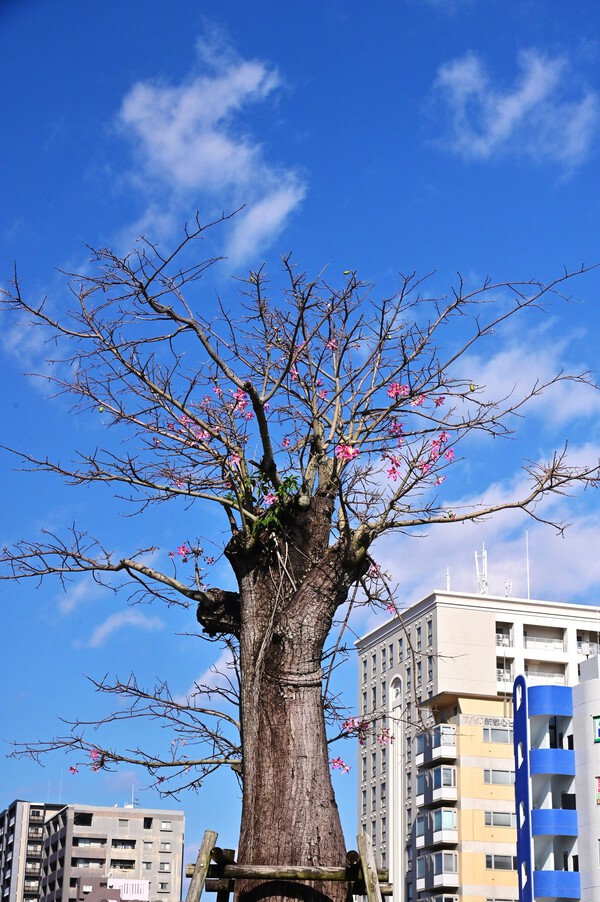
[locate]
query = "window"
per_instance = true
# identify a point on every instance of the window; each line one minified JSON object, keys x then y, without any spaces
{"x":420,"y":743}
{"x":364,"y":670}
{"x":164,"y":866}
{"x":163,"y":887}
{"x":146,"y":865}
{"x":374,"y":664}
{"x":421,"y":784}
{"x":420,"y":825}
{"x":418,"y":638}
{"x":364,"y":767}
{"x":123,"y":822}
{"x":374,"y":832}
{"x":374,"y":697}
{"x":383,"y":760}
{"x":364,"y":702}
{"x":499,"y":777}
{"x":165,"y":846}
{"x":364,"y":801}
{"x":383,"y":660}
{"x":82,"y":819}
{"x":430,"y":668}
{"x":391,"y":654}
{"x":400,"y":650}
{"x":444,"y":819}
{"x":383,"y":693}
{"x":497,"y":734}
{"x":165,"y":825}
{"x":147,"y":823}
{"x":373,"y":796}
{"x":500,"y":862}
{"x":429,"y":632}
{"x":408,"y":679}
{"x":444,"y":776}
{"x":421,"y":867}
{"x":419,"y":673}
{"x":373,"y":764}
{"x":445,"y":863}
{"x":147,"y":844}
{"x":383,"y":792}
{"x":383,"y":829}
{"x":500,"y":819}
{"x":596,"y":722}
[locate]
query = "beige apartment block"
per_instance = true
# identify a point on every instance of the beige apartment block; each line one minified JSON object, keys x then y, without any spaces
{"x":438,"y":801}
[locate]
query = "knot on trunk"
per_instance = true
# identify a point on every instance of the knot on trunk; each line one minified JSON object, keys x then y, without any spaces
{"x":296,"y":678}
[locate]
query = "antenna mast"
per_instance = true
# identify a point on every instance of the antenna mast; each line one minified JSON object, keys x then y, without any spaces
{"x":482,"y":576}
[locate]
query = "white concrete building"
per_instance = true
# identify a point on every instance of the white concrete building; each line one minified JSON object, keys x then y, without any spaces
{"x":55,"y":852}
{"x":439,"y":800}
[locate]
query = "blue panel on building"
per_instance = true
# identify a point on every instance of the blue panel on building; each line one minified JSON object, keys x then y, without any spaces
{"x":550,"y":700}
{"x":554,"y":822}
{"x":552,"y":761}
{"x":556,"y":885}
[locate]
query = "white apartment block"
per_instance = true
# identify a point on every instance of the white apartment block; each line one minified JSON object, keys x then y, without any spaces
{"x":62,"y":853}
{"x":438,"y":801}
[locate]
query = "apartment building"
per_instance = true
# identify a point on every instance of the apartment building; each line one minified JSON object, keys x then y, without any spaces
{"x":55,"y":853}
{"x":557,"y":787}
{"x":438,"y":799}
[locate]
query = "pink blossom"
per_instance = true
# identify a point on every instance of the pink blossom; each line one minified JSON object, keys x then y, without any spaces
{"x":218,"y":391}
{"x":73,"y":770}
{"x":394,"y":468}
{"x":425,"y":467}
{"x":346,"y":452}
{"x":385,"y":736}
{"x":338,"y":764}
{"x":439,"y":480}
{"x":270,"y":498}
{"x":323,"y":394}
{"x":360,"y":727}
{"x":449,"y":455}
{"x":294,"y":373}
{"x":183,"y":551}
{"x":94,"y":754}
{"x":285,"y":443}
{"x":439,"y":401}
{"x":390,"y":608}
{"x":234,"y":460}
{"x":202,"y":435}
{"x":210,"y":560}
{"x":396,"y":429}
{"x":178,"y":483}
{"x":332,"y":344}
{"x":241,"y":399}
{"x":397,"y":391}
{"x":184,"y":420}
{"x":417,"y":401}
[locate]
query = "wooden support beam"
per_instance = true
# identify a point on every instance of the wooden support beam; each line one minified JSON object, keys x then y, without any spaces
{"x":369,"y":869}
{"x":201,"y":867}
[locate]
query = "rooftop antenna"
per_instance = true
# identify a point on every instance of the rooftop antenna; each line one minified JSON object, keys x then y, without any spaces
{"x":482,"y":576}
{"x":527,"y":561}
{"x":507,"y":588}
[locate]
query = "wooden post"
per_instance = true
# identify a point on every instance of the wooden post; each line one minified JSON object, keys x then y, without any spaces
{"x":369,"y":868}
{"x":201,"y":868}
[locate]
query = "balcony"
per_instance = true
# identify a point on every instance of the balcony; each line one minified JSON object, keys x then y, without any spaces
{"x":545,"y":678}
{"x":545,"y":643}
{"x":552,"y":761}
{"x":554,"y":822}
{"x":556,"y":884}
{"x":587,"y":648}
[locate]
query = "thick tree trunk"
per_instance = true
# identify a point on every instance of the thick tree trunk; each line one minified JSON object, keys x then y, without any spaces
{"x":290,"y":814}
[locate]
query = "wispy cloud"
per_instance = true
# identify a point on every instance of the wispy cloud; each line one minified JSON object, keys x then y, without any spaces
{"x":543,"y":115}
{"x":136,"y":619}
{"x":193,"y":147}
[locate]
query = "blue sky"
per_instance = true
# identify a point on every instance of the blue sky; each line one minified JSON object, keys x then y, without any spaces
{"x":427,"y":135}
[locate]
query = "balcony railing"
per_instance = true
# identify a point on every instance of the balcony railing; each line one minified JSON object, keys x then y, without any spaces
{"x":539,"y":678}
{"x":504,"y":640}
{"x":549,"y":643}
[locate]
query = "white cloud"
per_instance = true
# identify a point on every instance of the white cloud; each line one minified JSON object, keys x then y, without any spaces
{"x":538,"y":116}
{"x":196,"y":152}
{"x":115,"y":622}
{"x":213,"y":677}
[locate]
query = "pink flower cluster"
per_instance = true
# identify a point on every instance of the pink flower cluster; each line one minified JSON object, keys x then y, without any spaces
{"x":397,"y":391}
{"x":385,"y":736}
{"x":354,"y":725}
{"x":346,"y":453}
{"x":338,"y":764}
{"x":395,"y":463}
{"x":270,"y":498}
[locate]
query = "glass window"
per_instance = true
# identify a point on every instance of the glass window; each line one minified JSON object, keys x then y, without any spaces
{"x":373,"y":764}
{"x":499,"y":777}
{"x":418,"y":638}
{"x":500,"y":819}
{"x":400,"y":650}
{"x":165,"y":846}
{"x":165,"y":825}
{"x":146,"y":865}
{"x":430,"y":667}
{"x":364,"y":670}
{"x":444,"y":819}
{"x":445,"y":863}
{"x":364,"y":801}
{"x":420,"y":825}
{"x":497,"y":734}
{"x":383,"y":760}
{"x":500,"y":862}
{"x":383,"y":660}
{"x":421,"y":784}
{"x":123,"y":822}
{"x":364,"y":767}
{"x":391,"y":654}
{"x":374,"y":664}
{"x":421,"y":867}
{"x":429,"y":632}
{"x":596,"y":722}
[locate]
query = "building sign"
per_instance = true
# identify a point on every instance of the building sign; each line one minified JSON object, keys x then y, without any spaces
{"x":138,"y":890}
{"x":484,"y":721}
{"x":596,"y":722}
{"x":597,"y":790}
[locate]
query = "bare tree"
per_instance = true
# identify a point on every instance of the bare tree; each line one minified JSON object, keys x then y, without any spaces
{"x":315,"y":423}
